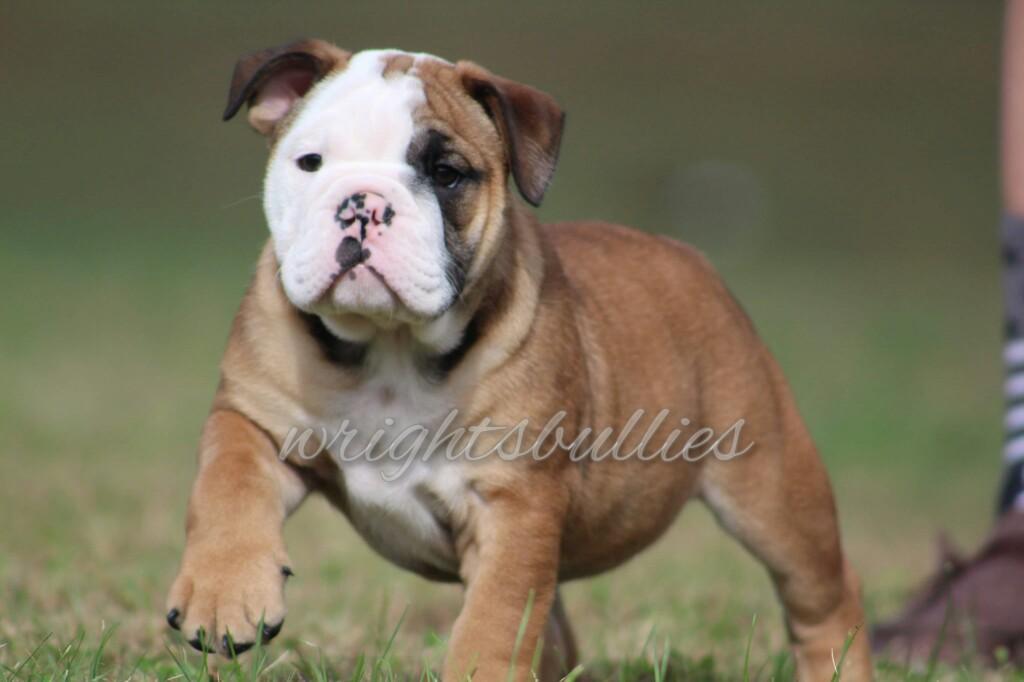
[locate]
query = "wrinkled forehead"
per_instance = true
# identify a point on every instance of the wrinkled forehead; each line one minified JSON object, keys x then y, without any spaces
{"x":373,"y":106}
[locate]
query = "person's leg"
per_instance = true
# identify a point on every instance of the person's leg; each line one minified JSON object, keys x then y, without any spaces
{"x":1012,"y":175}
{"x":976,"y":605}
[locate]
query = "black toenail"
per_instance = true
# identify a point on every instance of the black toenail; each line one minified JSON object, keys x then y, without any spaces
{"x":288,"y":572}
{"x":199,"y":646}
{"x":270,"y":631}
{"x":172,"y":618}
{"x":236,"y":648}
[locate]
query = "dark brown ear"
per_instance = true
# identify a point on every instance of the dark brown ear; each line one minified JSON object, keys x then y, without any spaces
{"x":530,"y":123}
{"x":272,"y":80}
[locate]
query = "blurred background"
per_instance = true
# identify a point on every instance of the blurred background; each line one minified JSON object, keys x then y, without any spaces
{"x":836,"y":161}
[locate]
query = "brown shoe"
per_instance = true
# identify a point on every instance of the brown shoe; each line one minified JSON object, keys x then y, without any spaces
{"x":970,"y":607}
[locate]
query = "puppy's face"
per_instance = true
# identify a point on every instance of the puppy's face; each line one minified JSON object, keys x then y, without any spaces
{"x":386,"y":184}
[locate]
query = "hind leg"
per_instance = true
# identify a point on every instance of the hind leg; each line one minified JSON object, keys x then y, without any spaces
{"x":779,"y":505}
{"x":559,"y":655}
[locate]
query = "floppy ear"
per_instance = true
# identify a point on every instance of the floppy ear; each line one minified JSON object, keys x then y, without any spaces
{"x":529,"y":121}
{"x":272,"y":80}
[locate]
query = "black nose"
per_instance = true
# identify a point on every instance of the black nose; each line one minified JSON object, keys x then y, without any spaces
{"x":351,"y":253}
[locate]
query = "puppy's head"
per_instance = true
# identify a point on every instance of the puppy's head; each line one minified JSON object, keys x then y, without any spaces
{"x":387,"y":181}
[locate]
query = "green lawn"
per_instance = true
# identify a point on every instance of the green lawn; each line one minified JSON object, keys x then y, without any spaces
{"x":837,"y":163}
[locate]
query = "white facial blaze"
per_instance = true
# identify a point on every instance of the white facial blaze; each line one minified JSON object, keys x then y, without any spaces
{"x":380,"y":254}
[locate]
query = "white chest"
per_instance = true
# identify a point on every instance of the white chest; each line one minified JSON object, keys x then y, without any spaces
{"x":401,"y":494}
{"x":407,"y":519}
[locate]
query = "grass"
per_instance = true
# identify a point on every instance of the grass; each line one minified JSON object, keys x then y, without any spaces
{"x":80,"y":659}
{"x":836,"y":161}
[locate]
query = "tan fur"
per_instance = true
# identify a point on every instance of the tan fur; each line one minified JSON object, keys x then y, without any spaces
{"x":398,"y":64}
{"x":594,"y":319}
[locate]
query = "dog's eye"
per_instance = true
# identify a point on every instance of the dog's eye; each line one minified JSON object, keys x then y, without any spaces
{"x":310,"y":162}
{"x":446,"y":176}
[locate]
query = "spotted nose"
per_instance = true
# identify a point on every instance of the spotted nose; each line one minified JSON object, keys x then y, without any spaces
{"x":364,"y":210}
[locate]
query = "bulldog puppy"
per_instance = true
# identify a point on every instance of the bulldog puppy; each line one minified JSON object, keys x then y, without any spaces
{"x":405,"y":290}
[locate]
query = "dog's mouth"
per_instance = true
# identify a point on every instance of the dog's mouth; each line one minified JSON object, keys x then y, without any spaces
{"x":361,"y":289}
{"x":361,"y":270}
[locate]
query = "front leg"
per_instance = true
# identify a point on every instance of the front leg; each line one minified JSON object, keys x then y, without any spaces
{"x":512,"y":551}
{"x":234,"y":567}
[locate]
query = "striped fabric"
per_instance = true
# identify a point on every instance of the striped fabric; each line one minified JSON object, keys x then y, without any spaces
{"x":1012,"y":492}
{"x":1013,"y":358}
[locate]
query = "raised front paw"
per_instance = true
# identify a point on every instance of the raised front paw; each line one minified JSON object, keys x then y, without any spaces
{"x":221,"y":597}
